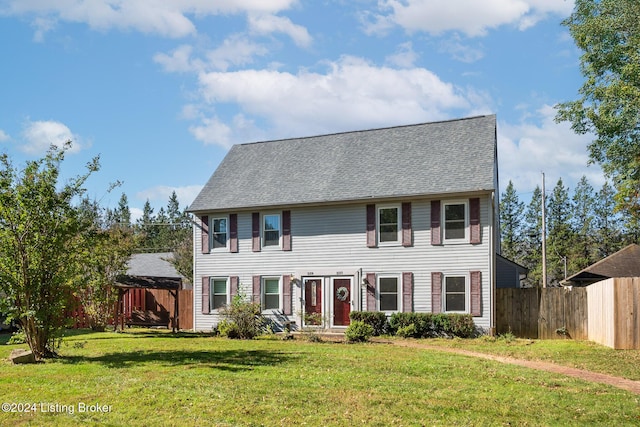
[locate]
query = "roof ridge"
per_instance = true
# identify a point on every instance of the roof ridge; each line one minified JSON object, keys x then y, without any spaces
{"x":321,"y":135}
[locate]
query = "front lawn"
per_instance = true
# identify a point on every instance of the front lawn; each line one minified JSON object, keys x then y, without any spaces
{"x":156,"y":378}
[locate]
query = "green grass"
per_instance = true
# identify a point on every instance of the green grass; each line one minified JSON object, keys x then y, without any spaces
{"x":156,"y":378}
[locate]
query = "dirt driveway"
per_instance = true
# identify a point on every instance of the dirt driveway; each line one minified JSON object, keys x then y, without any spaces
{"x":623,"y":383}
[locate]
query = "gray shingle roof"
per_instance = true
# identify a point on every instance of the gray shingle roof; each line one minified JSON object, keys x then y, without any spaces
{"x":453,"y":156}
{"x":152,"y":265}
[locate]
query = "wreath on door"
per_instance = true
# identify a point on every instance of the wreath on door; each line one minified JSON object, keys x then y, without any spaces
{"x":342,"y":293}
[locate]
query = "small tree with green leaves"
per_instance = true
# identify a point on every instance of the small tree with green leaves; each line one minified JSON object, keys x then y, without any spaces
{"x":41,"y":245}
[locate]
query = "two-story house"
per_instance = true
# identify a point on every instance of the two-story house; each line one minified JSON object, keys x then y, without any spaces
{"x":395,"y":219}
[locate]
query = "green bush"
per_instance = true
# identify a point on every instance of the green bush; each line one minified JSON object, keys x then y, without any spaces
{"x":376,"y":319}
{"x":18,"y":337}
{"x":408,"y":331}
{"x":358,"y":331}
{"x":242,"y":319}
{"x":428,"y":325}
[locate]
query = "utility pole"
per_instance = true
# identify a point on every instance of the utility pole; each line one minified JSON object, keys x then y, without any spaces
{"x":544,"y":238}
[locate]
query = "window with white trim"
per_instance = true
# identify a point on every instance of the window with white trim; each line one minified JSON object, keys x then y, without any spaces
{"x":219,"y":234}
{"x":455,"y":221}
{"x":389,"y":293}
{"x":388,"y":224}
{"x":218,"y":292}
{"x":271,"y":230}
{"x":271,"y":293}
{"x":456,"y":294}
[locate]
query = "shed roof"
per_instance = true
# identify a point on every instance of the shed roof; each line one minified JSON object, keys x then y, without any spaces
{"x":151,"y":270}
{"x":455,"y":156}
{"x":624,"y":263}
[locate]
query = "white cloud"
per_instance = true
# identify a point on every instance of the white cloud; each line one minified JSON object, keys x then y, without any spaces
{"x":160,"y":194}
{"x":405,"y":56}
{"x":267,"y":24}
{"x":527,"y":149}
{"x":460,"y":51}
{"x":167,"y":18}
{"x":471,"y":17}
{"x":212,"y":131}
{"x":40,"y":135}
{"x":351,"y":94}
{"x":4,"y":136}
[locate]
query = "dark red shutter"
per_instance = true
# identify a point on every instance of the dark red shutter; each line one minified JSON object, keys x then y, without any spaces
{"x":371,"y":226}
{"x":206,"y":309}
{"x":407,"y":292}
{"x":204,"y":227}
{"x":436,"y":292}
{"x":476,"y":293}
{"x":286,"y":230}
{"x":233,"y":284}
{"x":255,"y":231}
{"x":371,"y":292}
{"x":474,"y":221}
{"x":256,"y":296}
{"x":436,"y":232}
{"x":286,"y":295}
{"x":233,"y":233}
{"x":407,"y":234}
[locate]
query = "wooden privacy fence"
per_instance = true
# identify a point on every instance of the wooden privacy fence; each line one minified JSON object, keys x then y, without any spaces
{"x":153,"y":300}
{"x":159,"y":299}
{"x":606,"y":312}
{"x":517,"y":311}
{"x":614,"y":312}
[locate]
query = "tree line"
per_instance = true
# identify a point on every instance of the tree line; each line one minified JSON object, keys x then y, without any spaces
{"x":583,"y":226}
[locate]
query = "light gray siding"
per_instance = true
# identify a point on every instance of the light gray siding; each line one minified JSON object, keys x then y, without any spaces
{"x":330,"y":241}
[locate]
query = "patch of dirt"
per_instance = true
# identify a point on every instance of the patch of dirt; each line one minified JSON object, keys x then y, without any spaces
{"x":622,"y":383}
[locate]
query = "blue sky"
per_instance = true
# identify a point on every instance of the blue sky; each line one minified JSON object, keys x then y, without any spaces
{"x":161,"y":89}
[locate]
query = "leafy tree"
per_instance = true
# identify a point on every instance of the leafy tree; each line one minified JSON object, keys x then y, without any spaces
{"x":106,"y":253}
{"x":608,"y":33}
{"x":41,"y":242}
{"x":532,"y":239}
{"x":511,"y":215}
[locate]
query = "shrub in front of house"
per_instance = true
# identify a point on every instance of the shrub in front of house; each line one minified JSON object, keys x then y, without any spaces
{"x":242,"y":319}
{"x":429,"y":325}
{"x":376,"y":319}
{"x":358,"y":331}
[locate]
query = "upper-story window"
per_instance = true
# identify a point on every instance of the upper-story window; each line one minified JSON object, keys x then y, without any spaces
{"x":456,"y":221}
{"x":388,"y":224}
{"x":220,"y":232}
{"x":271,"y":230}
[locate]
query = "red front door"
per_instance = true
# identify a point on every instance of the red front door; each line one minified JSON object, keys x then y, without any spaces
{"x":313,"y":302}
{"x":341,"y":301}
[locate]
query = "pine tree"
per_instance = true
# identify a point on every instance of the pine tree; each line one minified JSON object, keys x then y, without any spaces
{"x":582,"y":249}
{"x":532,"y":239}
{"x":511,"y":215}
{"x":560,"y":233}
{"x":608,"y":233}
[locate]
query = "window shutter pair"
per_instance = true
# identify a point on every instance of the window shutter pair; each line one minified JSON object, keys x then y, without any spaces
{"x":286,"y":231}
{"x":407,"y":232}
{"x":233,"y":233}
{"x":475,"y":293}
{"x":475,"y":231}
{"x":287,"y":308}
{"x":407,"y":292}
{"x":206,"y":285}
